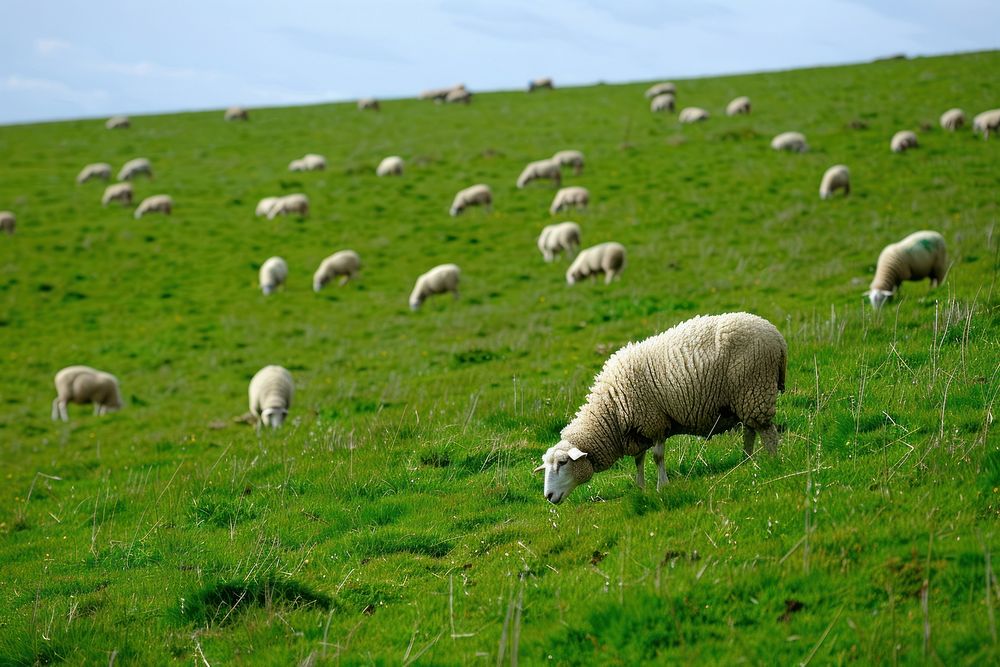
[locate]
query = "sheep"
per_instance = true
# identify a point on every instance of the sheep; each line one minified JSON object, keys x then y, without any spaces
{"x":308,"y":162}
{"x":439,"y":94}
{"x":903,"y":141}
{"x":8,"y":221}
{"x":554,"y":239}
{"x":476,"y":195}
{"x":607,"y":258}
{"x":574,"y":196}
{"x":297,"y":203}
{"x":155,"y":204}
{"x":702,"y":377}
{"x":548,"y":168}
{"x":835,"y":178}
{"x":458,"y":96}
{"x":133,"y":168}
{"x":692,"y":115}
{"x":986,"y":121}
{"x":739,"y":105}
{"x":538,"y":84}
{"x":83,"y":384}
{"x":660,"y":89}
{"x":101,"y":170}
{"x":368,"y":104}
{"x":390,"y":166}
{"x":662,"y":102}
{"x":273,"y":273}
{"x":952,"y":119}
{"x":118,"y":123}
{"x":264,"y":205}
{"x":119,"y":192}
{"x":570,"y":158}
{"x":236,"y":113}
{"x":920,"y":255}
{"x":790,"y":141}
{"x":344,"y":263}
{"x":442,"y":278}
{"x":271,"y":390}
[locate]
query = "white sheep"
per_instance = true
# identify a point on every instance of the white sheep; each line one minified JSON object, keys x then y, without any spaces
{"x":607,"y":258}
{"x":570,"y":158}
{"x":573,"y":196}
{"x":952,"y":119}
{"x":692,"y":115}
{"x":308,"y":162}
{"x":118,"y":123}
{"x":390,"y":166}
{"x":264,"y":205}
{"x":101,"y":170}
{"x":8,"y":222}
{"x":119,"y":192}
{"x":661,"y":88}
{"x":133,"y":168}
{"x":903,"y":141}
{"x":236,"y":113}
{"x":344,"y":263}
{"x":739,"y":105}
{"x":273,"y":273}
{"x":442,"y":278}
{"x":790,"y":141}
{"x":83,"y":384}
{"x":920,"y":255}
{"x":702,"y":377}
{"x":835,"y":178}
{"x":475,"y":195}
{"x":368,"y":104}
{"x":439,"y":94}
{"x":458,"y":96}
{"x":986,"y":122}
{"x":270,"y":392}
{"x":539,"y":169}
{"x":539,"y":84}
{"x":295,"y":203}
{"x":662,"y":102}
{"x":155,"y":204}
{"x":558,"y":238}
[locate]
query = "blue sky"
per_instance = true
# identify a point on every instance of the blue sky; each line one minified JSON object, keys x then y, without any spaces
{"x":69,"y":59}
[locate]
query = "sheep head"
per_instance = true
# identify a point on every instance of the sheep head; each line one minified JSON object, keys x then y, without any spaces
{"x":273,"y":417}
{"x":878,"y":297}
{"x":566,"y":467}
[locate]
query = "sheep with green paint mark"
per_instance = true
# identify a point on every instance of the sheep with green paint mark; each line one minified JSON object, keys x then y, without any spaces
{"x":920,"y":255}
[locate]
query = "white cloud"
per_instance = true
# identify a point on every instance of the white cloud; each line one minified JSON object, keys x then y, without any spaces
{"x":50,"y":46}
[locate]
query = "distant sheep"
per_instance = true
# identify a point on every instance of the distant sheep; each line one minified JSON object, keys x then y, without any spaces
{"x":539,"y":169}
{"x":571,"y":197}
{"x":344,"y":263}
{"x":368,"y":104}
{"x":117,"y":192}
{"x":439,"y":94}
{"x":236,"y":113}
{"x":476,"y":195}
{"x":155,"y":204}
{"x":570,"y":158}
{"x":8,"y":222}
{"x":920,"y":255}
{"x":738,"y":106}
{"x":662,"y":102}
{"x":986,"y":122}
{"x":607,"y":258}
{"x":835,"y":178}
{"x":903,"y":141}
{"x":794,"y":142}
{"x":296,"y":203}
{"x":439,"y":280}
{"x":270,"y":392}
{"x":136,"y":167}
{"x":118,"y":123}
{"x":692,"y":115}
{"x":100,"y":170}
{"x":952,"y":119}
{"x":264,"y":205}
{"x":458,"y":96}
{"x":390,"y":166}
{"x":661,"y":88}
{"x":539,"y":84}
{"x":273,"y":273}
{"x":558,"y":238}
{"x":82,"y":385}
{"x":308,"y":162}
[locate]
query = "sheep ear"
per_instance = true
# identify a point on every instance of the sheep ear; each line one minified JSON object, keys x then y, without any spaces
{"x":576,"y":454}
{"x":539,"y":468}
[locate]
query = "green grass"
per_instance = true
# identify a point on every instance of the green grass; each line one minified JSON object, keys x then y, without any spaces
{"x":396,"y":516}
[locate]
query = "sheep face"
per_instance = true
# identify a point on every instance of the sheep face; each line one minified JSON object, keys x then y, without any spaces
{"x":456,"y":209}
{"x":565,"y":468}
{"x":878,"y":297}
{"x":273,"y":417}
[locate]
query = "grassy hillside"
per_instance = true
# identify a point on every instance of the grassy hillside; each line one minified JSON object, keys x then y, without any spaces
{"x":396,"y":518}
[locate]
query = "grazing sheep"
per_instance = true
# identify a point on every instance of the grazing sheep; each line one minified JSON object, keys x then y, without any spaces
{"x":119,"y":192}
{"x":8,"y":221}
{"x":296,"y":203}
{"x":740,"y":105}
{"x":570,"y":158}
{"x":458,"y":96}
{"x":952,"y":119}
{"x":273,"y":273}
{"x":476,"y":195}
{"x":558,"y":238}
{"x":368,"y":104}
{"x":308,"y":162}
{"x":81,"y":385}
{"x":118,"y":123}
{"x":442,"y":278}
{"x":902,"y":141}
{"x":271,"y":391}
{"x":574,"y":196}
{"x":692,"y":115}
{"x":236,"y":113}
{"x":101,"y":170}
{"x":661,"y":88}
{"x":133,"y":168}
{"x":607,"y":258}
{"x":701,"y":377}
{"x":390,"y":166}
{"x":920,"y":255}
{"x":265,"y":204}
{"x":790,"y":141}
{"x":538,"y":84}
{"x":155,"y":204}
{"x":344,"y":263}
{"x":986,"y":122}
{"x":662,"y":102}
{"x":835,"y":178}
{"x":540,"y":169}
{"x":439,"y":94}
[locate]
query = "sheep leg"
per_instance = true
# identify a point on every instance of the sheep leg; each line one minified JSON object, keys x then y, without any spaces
{"x":661,"y":472}
{"x":749,"y":435}
{"x":344,"y":280}
{"x":770,"y":437}
{"x":608,"y":277}
{"x":59,"y":410}
{"x":640,"y":477}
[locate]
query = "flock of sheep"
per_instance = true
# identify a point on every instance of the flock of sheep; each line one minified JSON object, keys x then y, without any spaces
{"x":702,"y":377}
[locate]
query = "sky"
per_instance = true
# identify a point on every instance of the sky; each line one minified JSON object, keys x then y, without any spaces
{"x":70,"y":59}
